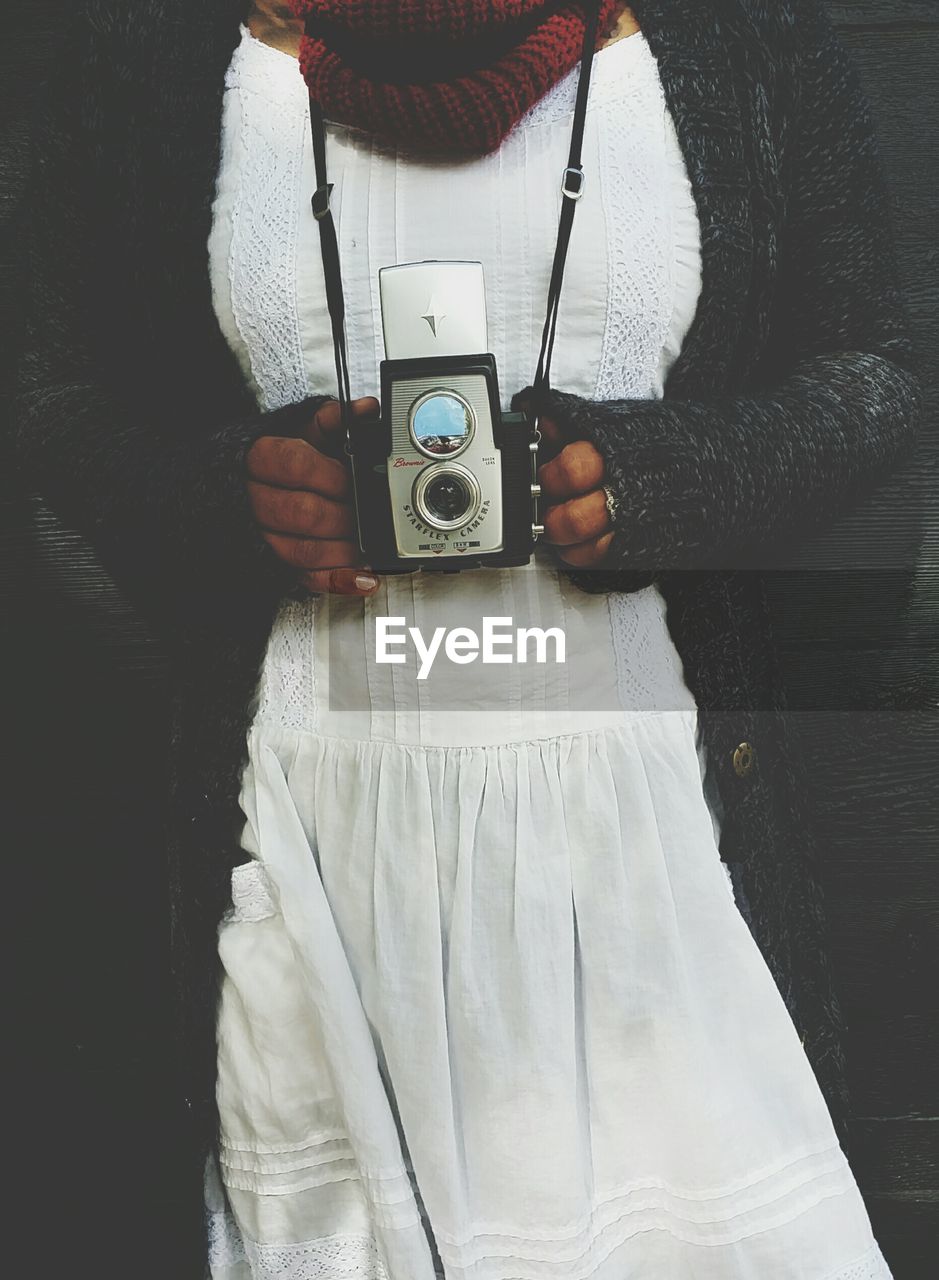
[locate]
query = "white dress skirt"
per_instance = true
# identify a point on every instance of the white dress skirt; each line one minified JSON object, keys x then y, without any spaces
{"x":489,"y":1008}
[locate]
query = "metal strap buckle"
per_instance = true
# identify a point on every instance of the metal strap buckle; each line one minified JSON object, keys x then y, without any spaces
{"x":576,"y":192}
{"x":320,"y":201}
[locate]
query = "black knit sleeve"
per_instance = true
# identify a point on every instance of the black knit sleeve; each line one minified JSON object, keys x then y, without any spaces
{"x":168,"y":516}
{"x":736,"y":481}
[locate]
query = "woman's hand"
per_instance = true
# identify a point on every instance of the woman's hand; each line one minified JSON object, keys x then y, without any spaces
{"x":300,"y":491}
{"x":576,"y":519}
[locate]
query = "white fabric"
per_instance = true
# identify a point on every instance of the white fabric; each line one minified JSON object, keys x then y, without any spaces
{"x":634,"y":259}
{"x":486,"y":987}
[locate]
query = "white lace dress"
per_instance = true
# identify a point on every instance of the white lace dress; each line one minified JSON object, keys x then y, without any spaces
{"x":489,"y":1009}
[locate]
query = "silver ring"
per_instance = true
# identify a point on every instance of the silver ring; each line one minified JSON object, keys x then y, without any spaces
{"x":612,"y":503}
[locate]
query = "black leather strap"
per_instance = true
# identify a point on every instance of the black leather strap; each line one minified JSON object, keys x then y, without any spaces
{"x":572,"y":185}
{"x":329,"y":245}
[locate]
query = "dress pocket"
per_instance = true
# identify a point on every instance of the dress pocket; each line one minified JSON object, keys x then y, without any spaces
{"x":280,"y":1123}
{"x":290,"y":1167}
{"x":309,"y":1145}
{"x":252,"y":893}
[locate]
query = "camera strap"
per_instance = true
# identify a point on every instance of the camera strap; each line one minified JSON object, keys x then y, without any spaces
{"x":572,"y":188}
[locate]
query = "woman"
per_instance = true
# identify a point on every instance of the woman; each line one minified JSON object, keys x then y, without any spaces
{"x":487,"y":1004}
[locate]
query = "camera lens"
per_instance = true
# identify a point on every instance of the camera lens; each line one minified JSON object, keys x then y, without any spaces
{"x":447,"y":496}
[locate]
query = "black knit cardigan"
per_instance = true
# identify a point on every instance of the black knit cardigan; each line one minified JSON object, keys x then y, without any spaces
{"x":794,"y":392}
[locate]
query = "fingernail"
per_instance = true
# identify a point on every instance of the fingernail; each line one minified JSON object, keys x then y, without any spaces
{"x":365,"y":582}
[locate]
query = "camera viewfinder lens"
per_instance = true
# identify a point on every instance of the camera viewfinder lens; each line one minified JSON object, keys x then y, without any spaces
{"x":441,"y":424}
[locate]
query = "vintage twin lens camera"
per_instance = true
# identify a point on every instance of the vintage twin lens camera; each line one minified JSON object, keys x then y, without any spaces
{"x":444,"y":480}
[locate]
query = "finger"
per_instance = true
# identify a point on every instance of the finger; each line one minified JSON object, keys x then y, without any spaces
{"x":552,"y":439}
{"x":295,"y":464}
{"x":303,"y":514}
{"x":315,"y":553}
{"x":585,"y":554}
{"x":578,"y":468}
{"x":325,"y":429}
{"x":579,"y":520}
{"x":342,"y":582}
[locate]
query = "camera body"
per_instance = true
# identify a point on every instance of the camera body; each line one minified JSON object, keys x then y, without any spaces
{"x":444,"y":480}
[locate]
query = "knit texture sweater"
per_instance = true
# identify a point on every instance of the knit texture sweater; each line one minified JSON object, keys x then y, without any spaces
{"x":795,"y":391}
{"x":438,"y":75}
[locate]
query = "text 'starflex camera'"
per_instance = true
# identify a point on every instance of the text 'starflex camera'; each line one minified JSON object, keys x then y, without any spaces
{"x":445,"y":479}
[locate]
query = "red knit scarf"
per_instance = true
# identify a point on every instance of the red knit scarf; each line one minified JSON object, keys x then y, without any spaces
{"x":440,"y":75}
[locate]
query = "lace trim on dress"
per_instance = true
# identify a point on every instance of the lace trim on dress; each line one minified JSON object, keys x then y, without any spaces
{"x":226,"y":1248}
{"x":870,"y":1267}
{"x":637,"y":619}
{"x":641,"y":278}
{"x":339,"y":1257}
{"x":348,"y":1257}
{"x":286,"y":692}
{"x":329,"y":1258}
{"x":262,"y":258}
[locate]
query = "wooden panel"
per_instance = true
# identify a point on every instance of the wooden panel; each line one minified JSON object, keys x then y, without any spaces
{"x":867,"y":14}
{"x":897,"y":1155}
{"x":907,"y":1229}
{"x":894,"y":1063}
